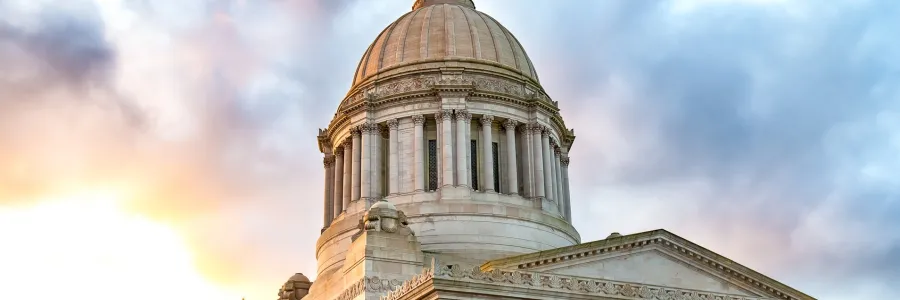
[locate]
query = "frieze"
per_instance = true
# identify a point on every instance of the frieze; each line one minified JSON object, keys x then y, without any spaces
{"x":582,"y":285}
{"x":686,"y":251}
{"x":369,"y":284}
{"x":497,"y":85}
{"x":406,"y":85}
{"x":409,"y":285}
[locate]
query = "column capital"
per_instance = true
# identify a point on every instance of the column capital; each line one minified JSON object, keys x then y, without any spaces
{"x":418,"y":119}
{"x":510,"y":124}
{"x":557,"y":151}
{"x":393,"y":124}
{"x":565,"y":161}
{"x":536,"y":128}
{"x":444,"y":114}
{"x":328,"y":161}
{"x":339,"y":151}
{"x":463,"y":115}
{"x":348,"y":143}
{"x":368,"y":127}
{"x":355,"y":130}
{"x":487,"y":120}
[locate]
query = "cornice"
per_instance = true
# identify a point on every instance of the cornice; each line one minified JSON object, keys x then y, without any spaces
{"x":666,"y":240}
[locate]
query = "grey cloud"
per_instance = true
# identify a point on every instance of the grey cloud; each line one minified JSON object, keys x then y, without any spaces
{"x":744,"y":98}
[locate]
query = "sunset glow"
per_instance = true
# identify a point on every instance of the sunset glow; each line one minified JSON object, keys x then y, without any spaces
{"x":85,"y":246}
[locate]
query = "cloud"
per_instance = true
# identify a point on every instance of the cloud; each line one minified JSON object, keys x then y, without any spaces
{"x":764,"y":130}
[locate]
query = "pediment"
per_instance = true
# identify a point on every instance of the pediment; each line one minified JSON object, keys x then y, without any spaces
{"x":651,"y":267}
{"x":657,"y":258}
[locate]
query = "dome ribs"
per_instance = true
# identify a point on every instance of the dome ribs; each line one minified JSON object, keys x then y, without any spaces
{"x":508,"y":48}
{"x":444,"y":34}
{"x":437,"y":35}
{"x":490,"y":33}
{"x":426,"y":31}
{"x":395,"y":42}
{"x":473,"y":35}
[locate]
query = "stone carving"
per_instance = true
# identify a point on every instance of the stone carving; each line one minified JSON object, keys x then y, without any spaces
{"x":510,"y":123}
{"x":339,"y":151}
{"x":454,"y":80}
{"x":369,"y":284}
{"x":498,"y":86}
{"x":407,"y":286}
{"x":393,"y":124}
{"x":487,"y":120}
{"x":355,"y":131}
{"x":348,"y":143}
{"x":328,"y":161}
{"x":295,"y":288}
{"x":564,"y":161}
{"x":418,"y":120}
{"x":420,"y":83}
{"x":444,"y":114}
{"x":536,"y":128}
{"x":383,"y":216}
{"x":618,"y":289}
{"x":368,"y":127}
{"x":463,"y":115}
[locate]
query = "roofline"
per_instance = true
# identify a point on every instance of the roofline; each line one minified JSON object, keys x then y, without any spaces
{"x":625,"y":239}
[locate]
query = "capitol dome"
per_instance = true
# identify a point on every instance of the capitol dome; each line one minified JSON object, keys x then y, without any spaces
{"x":447,"y":122}
{"x":444,"y":33}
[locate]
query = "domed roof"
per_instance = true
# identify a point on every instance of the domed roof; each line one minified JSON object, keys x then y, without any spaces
{"x":444,"y":30}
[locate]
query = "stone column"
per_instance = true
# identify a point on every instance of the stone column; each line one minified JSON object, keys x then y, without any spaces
{"x":512,"y":173}
{"x":548,"y":172}
{"x":462,"y":122}
{"x":538,"y":161}
{"x":550,"y":156}
{"x":357,"y":164}
{"x":365,"y":190}
{"x":394,"y":159}
{"x":347,"y":172}
{"x":328,"y":162}
{"x":566,"y":195}
{"x":338,"y":188}
{"x":527,"y":165}
{"x":488,"y":168}
{"x":419,"y":152}
{"x":377,"y":162}
{"x":446,"y":147}
{"x":559,"y":183}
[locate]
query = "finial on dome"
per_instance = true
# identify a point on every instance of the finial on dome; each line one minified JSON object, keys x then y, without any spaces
{"x":423,"y":3}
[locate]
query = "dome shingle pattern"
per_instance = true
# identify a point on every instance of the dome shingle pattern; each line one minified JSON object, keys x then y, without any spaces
{"x":444,"y":31}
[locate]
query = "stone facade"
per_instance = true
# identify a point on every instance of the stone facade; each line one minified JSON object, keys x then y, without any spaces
{"x":446,"y":177}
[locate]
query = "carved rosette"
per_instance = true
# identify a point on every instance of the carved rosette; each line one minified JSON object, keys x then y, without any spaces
{"x":418,"y":120}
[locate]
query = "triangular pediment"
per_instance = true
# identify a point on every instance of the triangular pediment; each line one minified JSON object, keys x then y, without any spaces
{"x":657,"y":258}
{"x":651,"y":267}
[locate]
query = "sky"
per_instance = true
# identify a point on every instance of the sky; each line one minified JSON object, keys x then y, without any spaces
{"x":166,"y":149}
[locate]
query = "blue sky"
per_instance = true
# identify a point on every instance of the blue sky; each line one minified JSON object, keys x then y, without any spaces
{"x":765,"y":130}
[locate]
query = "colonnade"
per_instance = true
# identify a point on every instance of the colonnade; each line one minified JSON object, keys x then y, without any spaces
{"x":354,"y":170}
